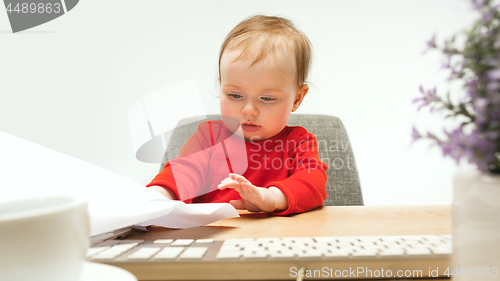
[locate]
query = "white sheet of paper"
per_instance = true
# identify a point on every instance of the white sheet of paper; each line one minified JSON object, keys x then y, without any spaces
{"x":28,"y":169}
{"x":193,"y":215}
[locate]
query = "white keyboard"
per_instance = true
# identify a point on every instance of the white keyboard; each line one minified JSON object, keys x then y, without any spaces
{"x":397,"y":252}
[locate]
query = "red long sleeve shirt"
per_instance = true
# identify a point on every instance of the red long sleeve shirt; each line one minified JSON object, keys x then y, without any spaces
{"x":288,"y":161}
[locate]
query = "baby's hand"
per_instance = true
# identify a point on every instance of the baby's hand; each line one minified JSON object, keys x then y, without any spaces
{"x":254,"y":198}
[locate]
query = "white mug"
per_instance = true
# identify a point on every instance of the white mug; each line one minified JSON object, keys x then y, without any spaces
{"x":43,"y":238}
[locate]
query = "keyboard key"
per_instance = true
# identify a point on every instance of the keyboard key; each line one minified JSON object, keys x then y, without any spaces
{"x":250,"y":244}
{"x":347,"y":239}
{"x":255,"y":255}
{"x":282,"y":254}
{"x":326,"y":239}
{"x":163,"y":241}
{"x":433,"y":239}
{"x":119,"y":242}
{"x":105,"y":255}
{"x":443,"y":250}
{"x":337,"y":253}
{"x":194,"y":253}
{"x":121,"y":248}
{"x":390,"y":238}
{"x":229,"y":255}
{"x":204,"y":241}
{"x":414,"y":244}
{"x":366,"y":245}
{"x":269,"y":240}
{"x":168,"y":253}
{"x":275,"y":248}
{"x":230,"y":248}
{"x":373,"y":239}
{"x":96,"y":250}
{"x":144,"y":253}
{"x":426,"y":246}
{"x":114,"y":251}
{"x":298,"y":240}
{"x":398,"y":252}
{"x":397,"y":246}
{"x":388,"y":243}
{"x":438,"y":243}
{"x":374,"y":248}
{"x":299,"y":246}
{"x":310,"y":254}
{"x":364,"y":253}
{"x":409,"y":238}
{"x":182,"y":242}
{"x":343,"y":244}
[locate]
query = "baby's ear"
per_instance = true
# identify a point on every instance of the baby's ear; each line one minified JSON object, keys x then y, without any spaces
{"x":299,"y":96}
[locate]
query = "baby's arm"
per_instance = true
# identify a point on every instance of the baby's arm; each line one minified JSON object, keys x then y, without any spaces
{"x":254,"y":198}
{"x":165,"y":191}
{"x":182,"y":177}
{"x":305,"y":187}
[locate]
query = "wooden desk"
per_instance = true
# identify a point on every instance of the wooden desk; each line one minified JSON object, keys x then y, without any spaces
{"x":326,"y":221}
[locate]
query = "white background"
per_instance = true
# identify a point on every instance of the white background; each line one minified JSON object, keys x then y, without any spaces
{"x":68,"y":84}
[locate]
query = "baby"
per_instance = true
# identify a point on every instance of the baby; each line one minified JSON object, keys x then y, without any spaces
{"x":263,"y":65}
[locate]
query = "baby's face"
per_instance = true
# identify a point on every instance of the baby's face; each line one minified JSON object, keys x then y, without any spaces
{"x":260,"y":96}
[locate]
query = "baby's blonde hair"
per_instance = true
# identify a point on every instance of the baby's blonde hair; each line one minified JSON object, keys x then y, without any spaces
{"x":261,"y":36}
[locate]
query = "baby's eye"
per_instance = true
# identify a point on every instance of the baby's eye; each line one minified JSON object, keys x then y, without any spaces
{"x":235,"y":96}
{"x":267,"y":99}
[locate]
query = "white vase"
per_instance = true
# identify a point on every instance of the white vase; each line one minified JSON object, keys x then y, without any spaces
{"x":476,"y":226}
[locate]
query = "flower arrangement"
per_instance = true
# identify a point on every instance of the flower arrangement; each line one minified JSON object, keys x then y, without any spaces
{"x":476,"y":67}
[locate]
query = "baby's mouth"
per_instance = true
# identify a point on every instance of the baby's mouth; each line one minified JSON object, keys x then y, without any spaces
{"x":250,"y":127}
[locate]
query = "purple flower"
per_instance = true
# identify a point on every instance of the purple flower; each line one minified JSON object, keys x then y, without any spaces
{"x":454,"y":147}
{"x":425,"y":103}
{"x":446,"y":149}
{"x":431,"y":94}
{"x":480,"y":104}
{"x":491,"y":62}
{"x":415,"y":100}
{"x":415,"y":135}
{"x":477,"y":5}
{"x":486,"y":148}
{"x":493,"y":136}
{"x":495,"y":114}
{"x":471,"y":87}
{"x":447,"y":63}
{"x":487,"y":16}
{"x":455,"y":136}
{"x":480,"y":120}
{"x":495,"y":100}
{"x":430,"y":44}
{"x":493,"y":86}
{"x":493,"y":75}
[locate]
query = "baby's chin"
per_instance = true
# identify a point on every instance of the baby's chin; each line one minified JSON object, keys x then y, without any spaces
{"x":254,"y":137}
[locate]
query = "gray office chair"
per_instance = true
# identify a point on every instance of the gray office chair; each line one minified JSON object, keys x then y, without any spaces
{"x":343,"y":186}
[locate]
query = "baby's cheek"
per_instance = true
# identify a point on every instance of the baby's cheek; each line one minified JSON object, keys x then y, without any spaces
{"x":226,"y":109}
{"x":281,"y":117}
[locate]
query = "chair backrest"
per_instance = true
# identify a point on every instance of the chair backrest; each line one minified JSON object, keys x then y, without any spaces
{"x":343,"y":185}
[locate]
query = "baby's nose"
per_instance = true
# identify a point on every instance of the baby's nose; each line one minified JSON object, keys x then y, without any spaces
{"x":250,"y":109}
